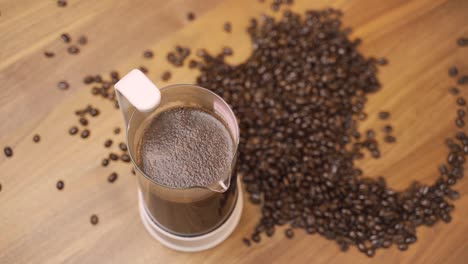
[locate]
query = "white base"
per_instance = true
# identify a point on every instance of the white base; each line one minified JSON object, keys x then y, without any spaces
{"x":197,"y":243}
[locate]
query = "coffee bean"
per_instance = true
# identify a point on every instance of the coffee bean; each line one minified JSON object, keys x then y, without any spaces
{"x":61,"y":3}
{"x":60,"y":185}
{"x":389,"y":139}
{"x":125,"y":158}
{"x":108,"y":143}
{"x":255,"y":238}
{"x":190,"y":16}
{"x":133,"y":171}
{"x":382,"y":61}
{"x":246,"y":242}
{"x":83,"y":40}
{"x":454,"y":90}
{"x":461,"y":113}
{"x":461,"y":101}
{"x":49,"y":54}
{"x":88,"y":79}
{"x":117,"y":130}
{"x":83,"y":121}
{"x":402,"y":247}
{"x":227,"y":27}
{"x":123,"y":146}
{"x":8,"y":151}
{"x":112,"y":177}
{"x":387,"y":129}
{"x":85,"y":133}
{"x":73,"y":49}
{"x":65,"y":38}
{"x":94,"y":219}
{"x":384,"y":115}
{"x":227,"y":51}
{"x":94,"y":112}
{"x":143,"y":69}
{"x":36,"y":138}
{"x":113,"y":156}
{"x":193,"y":64}
{"x":462,"y":42}
{"x":105,"y":162}
{"x":148,"y":54}
{"x":459,"y":122}
{"x":0,"y":187}
{"x":289,"y":233}
{"x":73,"y":130}
{"x":97,"y":78}
{"x":63,"y":85}
{"x":463,"y":80}
{"x":166,"y":76}
{"x":453,"y":71}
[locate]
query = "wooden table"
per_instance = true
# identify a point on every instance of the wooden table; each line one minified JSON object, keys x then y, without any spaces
{"x":39,"y":224}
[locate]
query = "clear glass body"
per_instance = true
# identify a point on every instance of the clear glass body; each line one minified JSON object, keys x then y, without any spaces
{"x":189,"y":211}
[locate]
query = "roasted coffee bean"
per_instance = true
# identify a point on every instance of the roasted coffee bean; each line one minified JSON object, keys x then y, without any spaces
{"x":454,"y":90}
{"x":88,"y":79}
{"x":382,"y":61}
{"x":73,"y":49}
{"x":453,"y":71}
{"x":193,"y":64}
{"x":97,"y":78}
{"x":463,"y":80}
{"x":112,"y":177}
{"x":60,"y":185}
{"x":461,"y":113}
{"x":246,"y":242}
{"x":36,"y":138}
{"x":289,"y":233}
{"x":108,"y":143}
{"x":83,"y":40}
{"x":462,"y":42}
{"x":148,"y":54}
{"x":133,"y":171}
{"x":113,"y":156}
{"x":255,"y":238}
{"x":384,"y":115}
{"x":94,"y":112}
{"x":85,"y":133}
{"x":389,"y":139}
{"x":8,"y":151}
{"x":73,"y":130}
{"x":65,"y":38}
{"x":190,"y":16}
{"x":105,"y":162}
{"x":387,"y":129}
{"x":143,"y":69}
{"x":117,"y":130}
{"x":227,"y":27}
{"x":227,"y":51}
{"x":83,"y":121}
{"x":166,"y":76}
{"x":94,"y":219}
{"x":49,"y":54}
{"x":125,"y":158}
{"x":95,"y":91}
{"x":123,"y":146}
{"x":459,"y":122}
{"x":461,"y":101}
{"x":63,"y":85}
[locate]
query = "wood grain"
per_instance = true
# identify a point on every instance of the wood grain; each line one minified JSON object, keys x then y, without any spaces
{"x":39,"y":224}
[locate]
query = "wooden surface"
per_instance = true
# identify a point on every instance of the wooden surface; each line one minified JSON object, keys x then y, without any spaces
{"x":39,"y":224}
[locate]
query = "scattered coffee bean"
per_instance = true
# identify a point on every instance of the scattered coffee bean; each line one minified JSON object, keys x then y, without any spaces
{"x":463,"y":80}
{"x":8,"y":151}
{"x":65,"y":38}
{"x":462,"y":42}
{"x":133,"y":171}
{"x":108,"y":143}
{"x":125,"y":158}
{"x":94,"y":219}
{"x":88,"y":79}
{"x":117,"y":130}
{"x":94,"y":112}
{"x":73,"y":130}
{"x":63,"y":85}
{"x":60,"y":184}
{"x":112,"y":177}
{"x":97,"y":78}
{"x":148,"y":54}
{"x":83,"y":40}
{"x":83,"y":121}
{"x":461,"y":101}
{"x":454,"y":90}
{"x":289,"y":233}
{"x":387,"y":129}
{"x":459,"y":122}
{"x":105,"y":162}
{"x":49,"y":54}
{"x":382,"y":61}
{"x":123,"y":146}
{"x":246,"y":242}
{"x":113,"y":156}
{"x":461,"y":113}
{"x":143,"y":69}
{"x":166,"y":76}
{"x":190,"y":16}
{"x":453,"y":71}
{"x":61,"y":3}
{"x":85,"y":133}
{"x":255,"y":238}
{"x":389,"y":139}
{"x":73,"y":49}
{"x":384,"y":115}
{"x":227,"y":51}
{"x":193,"y":64}
{"x":227,"y":27}
{"x":36,"y":138}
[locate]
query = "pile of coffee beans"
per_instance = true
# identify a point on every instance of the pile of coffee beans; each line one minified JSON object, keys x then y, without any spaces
{"x":299,"y":98}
